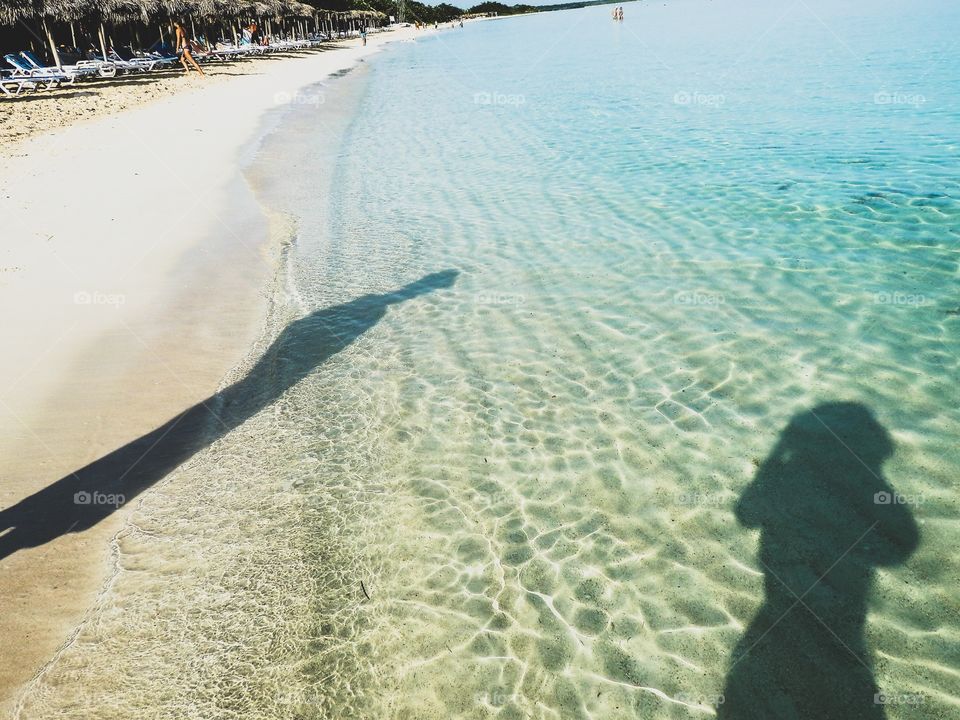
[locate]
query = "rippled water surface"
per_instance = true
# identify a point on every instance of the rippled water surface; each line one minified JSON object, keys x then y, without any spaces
{"x":627,"y":361}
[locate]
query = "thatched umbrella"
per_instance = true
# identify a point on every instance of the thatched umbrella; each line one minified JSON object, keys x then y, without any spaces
{"x":266,"y":8}
{"x":19,"y":10}
{"x":72,"y":10}
{"x":129,"y":10}
{"x":13,"y":10}
{"x":204,"y":9}
{"x":135,"y":12}
{"x":297,"y":11}
{"x":218,"y":10}
{"x":58,"y":9}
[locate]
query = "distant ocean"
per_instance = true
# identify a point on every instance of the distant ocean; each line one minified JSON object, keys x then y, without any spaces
{"x":626,"y":361}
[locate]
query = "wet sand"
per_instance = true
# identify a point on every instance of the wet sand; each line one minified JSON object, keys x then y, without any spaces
{"x":132,"y":277}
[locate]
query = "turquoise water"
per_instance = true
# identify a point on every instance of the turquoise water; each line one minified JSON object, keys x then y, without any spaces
{"x":673,"y":435}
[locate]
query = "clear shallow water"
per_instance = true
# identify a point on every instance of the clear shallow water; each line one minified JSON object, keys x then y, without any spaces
{"x":706,"y":310}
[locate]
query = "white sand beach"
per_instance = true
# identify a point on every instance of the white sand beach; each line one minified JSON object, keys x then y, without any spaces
{"x":132,"y":276}
{"x":574,"y":365}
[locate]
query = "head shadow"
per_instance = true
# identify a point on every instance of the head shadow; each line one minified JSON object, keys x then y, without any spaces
{"x":83,"y":498}
{"x":827,"y":519}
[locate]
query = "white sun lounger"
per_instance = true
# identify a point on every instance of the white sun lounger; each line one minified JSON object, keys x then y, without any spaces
{"x":84,"y":68}
{"x":23,"y":71}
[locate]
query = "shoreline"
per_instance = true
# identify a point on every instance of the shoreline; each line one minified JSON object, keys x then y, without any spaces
{"x":553,"y":397}
{"x":112,"y":345}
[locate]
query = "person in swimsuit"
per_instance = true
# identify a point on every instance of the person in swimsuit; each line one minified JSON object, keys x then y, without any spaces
{"x":183,"y":49}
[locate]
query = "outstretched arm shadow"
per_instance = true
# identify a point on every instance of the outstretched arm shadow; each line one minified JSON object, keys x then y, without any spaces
{"x":83,"y":498}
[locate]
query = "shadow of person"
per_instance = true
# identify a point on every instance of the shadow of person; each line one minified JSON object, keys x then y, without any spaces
{"x":85,"y":497}
{"x":827,"y":518}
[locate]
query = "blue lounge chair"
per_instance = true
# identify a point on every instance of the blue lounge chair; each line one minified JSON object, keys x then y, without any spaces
{"x":84,"y":68}
{"x":22,"y":70}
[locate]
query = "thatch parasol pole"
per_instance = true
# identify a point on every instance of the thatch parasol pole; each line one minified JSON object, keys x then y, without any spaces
{"x":103,"y":42}
{"x":73,"y":35}
{"x":53,"y":45}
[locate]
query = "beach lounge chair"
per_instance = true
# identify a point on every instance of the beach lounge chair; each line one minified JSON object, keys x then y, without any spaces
{"x":161,"y":53}
{"x":83,"y":68}
{"x":10,"y":87}
{"x":132,"y":65}
{"x":22,"y":70}
{"x":126,"y":59}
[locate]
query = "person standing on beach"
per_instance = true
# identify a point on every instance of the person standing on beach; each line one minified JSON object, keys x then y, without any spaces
{"x":363,"y":35}
{"x":183,"y":49}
